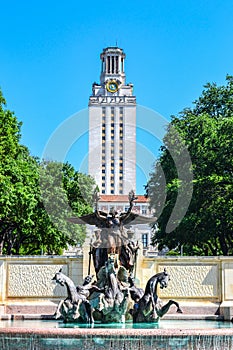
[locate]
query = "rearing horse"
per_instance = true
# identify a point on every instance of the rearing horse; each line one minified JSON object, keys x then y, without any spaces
{"x":142,"y":311}
{"x":69,"y":308}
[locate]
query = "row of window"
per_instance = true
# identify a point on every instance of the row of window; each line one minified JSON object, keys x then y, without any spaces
{"x":112,"y":178}
{"x":112,"y":114}
{"x":112,"y":191}
{"x":112,"y":155}
{"x":112,"y":158}
{"x":103,"y":147}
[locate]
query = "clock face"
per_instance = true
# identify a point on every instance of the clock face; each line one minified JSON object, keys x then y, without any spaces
{"x":112,"y":86}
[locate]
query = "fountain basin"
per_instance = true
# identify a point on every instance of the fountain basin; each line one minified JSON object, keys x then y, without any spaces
{"x":168,"y":335}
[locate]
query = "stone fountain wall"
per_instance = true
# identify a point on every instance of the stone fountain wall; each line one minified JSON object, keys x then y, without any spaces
{"x":27,"y":286}
{"x":202,"y":285}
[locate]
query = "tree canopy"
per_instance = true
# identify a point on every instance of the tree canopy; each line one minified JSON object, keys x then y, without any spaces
{"x":29,"y":188}
{"x":207,"y":129}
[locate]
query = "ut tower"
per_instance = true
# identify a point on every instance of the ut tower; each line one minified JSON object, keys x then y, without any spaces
{"x":112,"y":127}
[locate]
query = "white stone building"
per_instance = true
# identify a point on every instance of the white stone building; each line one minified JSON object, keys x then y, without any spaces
{"x":112,"y":142}
{"x":112,"y":127}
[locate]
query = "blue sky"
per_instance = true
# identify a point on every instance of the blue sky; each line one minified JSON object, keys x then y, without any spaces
{"x":49,"y":56}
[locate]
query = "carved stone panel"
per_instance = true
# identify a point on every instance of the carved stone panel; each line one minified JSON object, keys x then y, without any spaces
{"x":26,"y":280}
{"x":191,"y":281}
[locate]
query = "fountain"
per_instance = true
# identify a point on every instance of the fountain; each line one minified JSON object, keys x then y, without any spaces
{"x":113,"y":298}
{"x":112,"y":312}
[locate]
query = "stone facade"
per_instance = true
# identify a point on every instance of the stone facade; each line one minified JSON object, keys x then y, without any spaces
{"x":202,"y":286}
{"x":112,"y":127}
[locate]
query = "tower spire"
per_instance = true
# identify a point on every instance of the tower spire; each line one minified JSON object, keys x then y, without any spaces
{"x":112,"y":64}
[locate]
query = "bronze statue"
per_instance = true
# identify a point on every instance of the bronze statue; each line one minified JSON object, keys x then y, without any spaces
{"x":99,"y":253}
{"x":111,"y":305}
{"x":76,"y":307}
{"x":149,"y":307}
{"x":129,"y":252}
{"x":108,"y":299}
{"x":113,"y":237}
{"x":112,"y":219}
{"x":114,"y":255}
{"x":135,"y":292}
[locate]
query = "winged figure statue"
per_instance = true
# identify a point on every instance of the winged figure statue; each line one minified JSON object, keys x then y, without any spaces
{"x":102,"y":219}
{"x":112,"y":235}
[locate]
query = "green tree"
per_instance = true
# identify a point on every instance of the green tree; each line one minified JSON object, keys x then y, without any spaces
{"x":64,"y":192}
{"x":207,"y":129}
{"x":37,"y":197}
{"x":18,"y":176}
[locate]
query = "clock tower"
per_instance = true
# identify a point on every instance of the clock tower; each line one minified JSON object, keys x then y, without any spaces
{"x":112,"y":127}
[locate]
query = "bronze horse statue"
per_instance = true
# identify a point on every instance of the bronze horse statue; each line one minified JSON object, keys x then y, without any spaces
{"x":149,"y":308}
{"x":135,"y":292}
{"x":75,"y":306}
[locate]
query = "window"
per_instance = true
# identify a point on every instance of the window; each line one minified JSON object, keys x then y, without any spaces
{"x":112,"y":191}
{"x":117,"y":64}
{"x":108,"y":63}
{"x":144,"y":210}
{"x":145,"y":240}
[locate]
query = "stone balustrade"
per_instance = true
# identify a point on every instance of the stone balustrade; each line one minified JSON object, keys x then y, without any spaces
{"x":202,"y":285}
